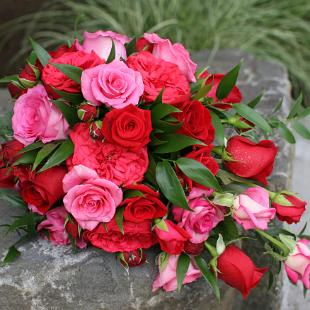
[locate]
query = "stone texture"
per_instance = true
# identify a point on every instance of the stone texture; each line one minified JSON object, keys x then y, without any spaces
{"x":47,"y":277}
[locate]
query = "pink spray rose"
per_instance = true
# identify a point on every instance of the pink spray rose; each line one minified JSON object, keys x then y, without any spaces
{"x":167,"y":278}
{"x":251,"y":209}
{"x":199,"y":222}
{"x":90,"y":199}
{"x":297,"y":265}
{"x":175,"y":53}
{"x":36,"y":117}
{"x":101,"y":43}
{"x":114,"y":85}
{"x":55,"y":225}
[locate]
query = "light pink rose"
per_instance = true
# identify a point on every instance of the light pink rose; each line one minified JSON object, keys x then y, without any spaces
{"x":297,"y":265}
{"x":36,"y":117}
{"x":202,"y":219}
{"x":90,"y":199}
{"x":55,"y":225}
{"x":167,"y":279}
{"x":175,"y":53}
{"x":251,"y":209}
{"x":101,"y":43}
{"x":113,"y":84}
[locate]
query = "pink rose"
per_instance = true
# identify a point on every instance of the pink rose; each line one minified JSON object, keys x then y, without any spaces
{"x":114,"y":85}
{"x":90,"y":199}
{"x":101,"y":43}
{"x":175,"y":53}
{"x":36,"y":117}
{"x":199,"y":222}
{"x":251,"y":209}
{"x":297,"y":265}
{"x":55,"y":225}
{"x":167,"y":278}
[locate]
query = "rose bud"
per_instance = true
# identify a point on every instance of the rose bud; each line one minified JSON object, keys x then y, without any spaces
{"x":193,"y":248}
{"x":238,"y":270}
{"x":240,"y":123}
{"x":171,"y":238}
{"x":133,"y":258}
{"x":251,"y":160}
{"x":72,"y":228}
{"x":143,"y":44}
{"x":297,"y":265}
{"x":95,"y":130}
{"x":87,"y":112}
{"x":289,"y":207}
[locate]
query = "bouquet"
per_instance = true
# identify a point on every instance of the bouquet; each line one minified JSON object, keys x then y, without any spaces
{"x":122,"y":144}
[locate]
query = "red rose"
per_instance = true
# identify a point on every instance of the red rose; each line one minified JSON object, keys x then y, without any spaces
{"x":234,"y":96}
{"x":173,"y":240}
{"x":290,"y":214}
{"x":251,"y":160}
{"x":41,"y":189}
{"x":111,"y":239}
{"x":146,"y":207}
{"x":193,"y":248}
{"x":197,"y":121}
{"x":129,"y":127}
{"x":54,"y":78}
{"x":143,"y":44}
{"x":237,"y":270}
{"x":87,"y":112}
{"x":62,"y":49}
{"x":133,"y":258}
{"x":158,"y":74}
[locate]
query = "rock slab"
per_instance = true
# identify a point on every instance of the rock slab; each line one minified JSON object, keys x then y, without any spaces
{"x":53,"y":278}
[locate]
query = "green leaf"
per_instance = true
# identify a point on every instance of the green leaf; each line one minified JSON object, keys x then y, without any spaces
{"x":64,"y":151}
{"x":31,"y":147}
{"x":175,"y":142}
{"x":131,"y":46}
{"x":296,"y":107}
{"x":161,"y":224}
{"x":11,"y":255}
{"x":170,"y":185}
{"x":302,"y":130}
{"x":73,"y":72}
{"x":219,"y":128}
{"x":227,"y":83}
{"x":227,"y":229}
{"x":252,"y":116}
{"x":73,"y":98}
{"x":46,"y":150}
{"x":253,"y":103}
{"x":10,"y":78}
{"x":286,"y":133}
{"x":198,"y":172}
{"x":182,"y":268}
{"x":112,"y":53}
{"x":278,"y":106}
{"x":69,"y":112}
{"x":161,"y":110}
{"x":132,"y":193}
{"x":119,"y":218}
{"x":204,"y":89}
{"x":12,"y":197}
{"x":26,"y":158}
{"x":41,"y":53}
{"x":208,"y":275}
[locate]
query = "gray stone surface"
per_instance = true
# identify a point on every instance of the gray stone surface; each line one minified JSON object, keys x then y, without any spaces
{"x":48,"y":277}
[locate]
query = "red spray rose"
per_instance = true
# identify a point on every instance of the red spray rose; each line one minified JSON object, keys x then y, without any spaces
{"x":52,"y":77}
{"x":133,"y":259}
{"x":41,"y":189}
{"x":158,"y":74}
{"x":173,"y":240}
{"x":146,"y":207}
{"x":143,"y":44}
{"x":111,"y":239}
{"x":197,"y":121}
{"x":251,"y":160}
{"x":129,"y":127}
{"x":194,"y":248}
{"x":237,"y":270}
{"x":290,"y":214}
{"x":87,"y":112}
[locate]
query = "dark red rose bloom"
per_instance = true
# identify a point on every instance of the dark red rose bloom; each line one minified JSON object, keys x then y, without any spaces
{"x":173,"y":240}
{"x":290,"y":214}
{"x":197,"y":121}
{"x":251,"y":160}
{"x":158,"y":74}
{"x":41,"y":189}
{"x":133,"y":258}
{"x":146,"y":207}
{"x":234,"y":96}
{"x":54,"y":78}
{"x":129,"y":127}
{"x":193,"y":248}
{"x":238,"y":270}
{"x":111,"y":239}
{"x":143,"y":44}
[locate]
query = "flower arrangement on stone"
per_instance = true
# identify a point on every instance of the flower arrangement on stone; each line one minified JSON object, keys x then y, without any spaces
{"x":120,"y":144}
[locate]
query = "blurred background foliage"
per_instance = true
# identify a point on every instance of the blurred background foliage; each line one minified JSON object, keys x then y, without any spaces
{"x":274,"y":29}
